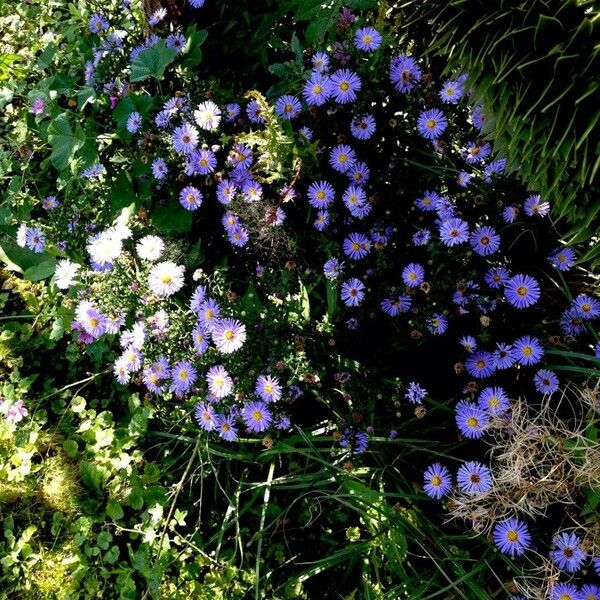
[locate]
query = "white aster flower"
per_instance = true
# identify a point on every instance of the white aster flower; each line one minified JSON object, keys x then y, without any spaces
{"x":208,"y":115}
{"x":150,"y":248}
{"x":105,"y":248}
{"x":165,"y":278}
{"x":65,"y":273}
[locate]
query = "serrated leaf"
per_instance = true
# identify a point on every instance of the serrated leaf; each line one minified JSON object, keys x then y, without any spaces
{"x":152,"y":62}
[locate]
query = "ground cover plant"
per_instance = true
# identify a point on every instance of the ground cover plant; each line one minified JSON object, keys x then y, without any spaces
{"x":293,"y":334}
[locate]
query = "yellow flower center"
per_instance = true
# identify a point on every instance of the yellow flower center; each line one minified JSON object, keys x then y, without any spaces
{"x":219,"y":381}
{"x":436,"y":481}
{"x":344,"y":86}
{"x":320,"y":195}
{"x":166,"y":279}
{"x":257,"y":415}
{"x":355,"y":247}
{"x":522,"y":290}
{"x":367,"y":39}
{"x":268,"y":388}
{"x":472,"y":422}
{"x":527,"y":351}
{"x":512,"y":536}
{"x":431,"y":123}
{"x":229,"y":334}
{"x":183,"y":375}
{"x":586,"y":307}
{"x":288,"y":108}
{"x":93,"y":322}
{"x":343,"y":158}
{"x":484,"y":240}
{"x":225,"y":427}
{"x":317,"y":89}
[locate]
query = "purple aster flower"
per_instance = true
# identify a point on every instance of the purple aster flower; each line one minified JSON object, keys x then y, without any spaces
{"x":320,"y":62}
{"x":512,"y":537}
{"x":396,"y":304}
{"x":522,"y":291}
{"x":225,"y":192}
{"x":563,"y":258}
{"x":421,"y":237}
{"x":494,"y":400}
{"x":200,"y":337}
{"x":220,"y":384}
{"x":437,"y":324}
{"x":163,"y":119}
{"x":98,"y":23}
{"x":157,"y":16}
{"x":317,"y":90}
{"x":183,"y":377}
{"x":572,"y":323}
{"x":238,"y":236}
{"x":590,"y":592}
{"x":362,"y":127}
{"x":596,"y":563}
{"x":496,"y":277}
{"x":464,"y":179}
{"x":321,"y":194}
{"x":413,"y":275}
{"x":568,"y":554}
{"x":209,"y":313}
{"x":256,"y":416}
{"x":254,"y":112}
{"x":431,"y":124}
{"x":480,"y":364}
{"x":478,"y":117}
{"x":344,"y":84}
{"x":94,"y":171}
{"x":200,"y":162}
{"x":321,"y":221}
{"x":206,"y":416}
{"x":190,"y":198}
{"x":468,"y":342}
{"x":451,"y":92}
{"x":510,"y":213}
{"x":471,"y":420}
{"x":565,"y":591}
{"x":355,"y":440}
{"x":485,"y":241}
{"x":358,"y":173}
{"x":288,"y":107}
{"x":232,"y":111}
{"x":226,"y":428}
{"x":354,"y":197}
{"x":504,"y":356}
{"x":38,"y":106}
{"x":268,"y":388}
{"x":585,"y":306}
{"x":352,"y":292}
{"x":404,"y":73}
{"x":477,"y":152}
{"x":50,"y":203}
{"x":546,"y":382}
{"x":185,"y":139}
{"x":228,"y":335}
{"x":454,"y":231}
{"x":16,"y":412}
{"x":474,"y":478}
{"x":356,"y":246}
{"x":198,"y":297}
{"x":333,"y":269}
{"x":176,"y":41}
{"x":415,"y":393}
{"x":437,"y":481}
{"x":342,"y":157}
{"x":534,"y":205}
{"x":527,"y":350}
{"x":494,"y":168}
{"x":35,"y":239}
{"x":196,"y":3}
{"x":159,"y":169}
{"x":134,"y":122}
{"x":367,"y":39}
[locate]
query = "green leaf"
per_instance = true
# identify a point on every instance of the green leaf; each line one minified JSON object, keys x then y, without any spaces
{"x":114,"y":510}
{"x":21,"y":259}
{"x":45,"y":59}
{"x":193,"y":52}
{"x":86,"y":95}
{"x":172,"y":219}
{"x":65,"y":141}
{"x":42,"y":271}
{"x":152,"y":62}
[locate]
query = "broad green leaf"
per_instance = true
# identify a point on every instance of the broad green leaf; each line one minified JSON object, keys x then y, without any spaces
{"x":152,"y":62}
{"x":114,"y":510}
{"x":42,"y":271}
{"x":193,"y":51}
{"x":65,"y":141}
{"x":172,"y":219}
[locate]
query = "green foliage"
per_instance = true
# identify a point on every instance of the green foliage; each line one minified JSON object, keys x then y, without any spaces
{"x":536,"y":71}
{"x":152,"y":62}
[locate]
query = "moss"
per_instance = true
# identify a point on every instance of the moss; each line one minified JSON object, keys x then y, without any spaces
{"x":52,"y":576}
{"x":58,"y":485}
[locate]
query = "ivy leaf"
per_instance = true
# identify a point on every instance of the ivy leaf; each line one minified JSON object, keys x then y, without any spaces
{"x":65,"y":141}
{"x":152,"y":62}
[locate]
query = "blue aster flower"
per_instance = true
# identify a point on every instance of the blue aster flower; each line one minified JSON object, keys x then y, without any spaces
{"x":159,"y":168}
{"x":405,"y":73}
{"x":432,"y":123}
{"x":288,"y":107}
{"x":344,"y":85}
{"x":534,"y":205}
{"x":510,"y":214}
{"x":352,"y":292}
{"x":590,"y":592}
{"x":98,"y":23}
{"x":464,"y":179}
{"x":225,"y":191}
{"x":471,"y":420}
{"x":254,"y":112}
{"x":415,"y":393}
{"x":367,"y":39}
{"x":451,"y":92}
{"x":494,"y":400}
{"x":428,"y":201}
{"x":363,"y":127}
{"x":546,"y":382}
{"x":333,"y":269}
{"x":480,"y":364}
{"x":342,"y":157}
{"x":320,"y":194}
{"x":226,"y":428}
{"x":183,"y":377}
{"x":396,"y":304}
{"x":469,"y":343}
{"x":528,"y":350}
{"x":321,"y":222}
{"x":485,"y":241}
{"x":359,"y":173}
{"x":478,"y":117}
{"x":586,"y":307}
{"x":320,"y":62}
{"x":355,"y":440}
{"x":454,"y":231}
{"x":206,"y":416}
{"x":437,"y":324}
{"x":512,"y":537}
{"x":437,"y":481}
{"x":421,"y":237}
{"x":565,"y":591}
{"x":176,"y":41}
{"x":496,"y":167}
{"x":568,"y":554}
{"x":268,"y":388}
{"x":477,"y":152}
{"x":238,"y":236}
{"x":185,"y":139}
{"x":232,"y":111}
{"x":317,"y":90}
{"x":190,"y":198}
{"x":257,"y":417}
{"x":522,"y":291}
{"x":563,"y":258}
{"x":504,"y":356}
{"x":200,"y":162}
{"x":356,"y":246}
{"x":496,"y":277}
{"x":474,"y":478}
